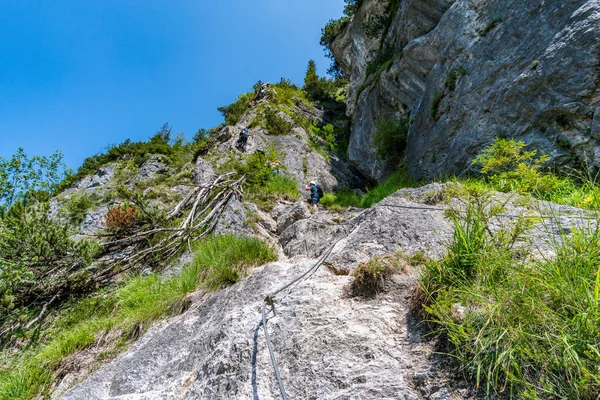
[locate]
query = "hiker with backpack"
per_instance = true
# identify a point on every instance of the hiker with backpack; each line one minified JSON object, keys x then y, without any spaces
{"x":315,"y":193}
{"x":242,"y":140}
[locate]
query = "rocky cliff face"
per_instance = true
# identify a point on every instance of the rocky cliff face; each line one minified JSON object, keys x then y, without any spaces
{"x":468,"y":71}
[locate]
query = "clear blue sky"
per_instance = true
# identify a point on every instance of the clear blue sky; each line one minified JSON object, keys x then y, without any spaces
{"x":78,"y":75}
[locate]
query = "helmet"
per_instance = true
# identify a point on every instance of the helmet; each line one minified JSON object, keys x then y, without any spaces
{"x":312,"y":183}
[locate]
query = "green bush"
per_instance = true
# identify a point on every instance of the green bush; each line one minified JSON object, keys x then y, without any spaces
{"x":262,"y":185}
{"x":225,"y":260}
{"x":22,"y":177}
{"x":390,"y":138}
{"x":276,"y":124}
{"x":511,"y":169}
{"x":320,"y":89}
{"x":322,"y":138}
{"x":375,"y":26}
{"x":38,"y":259}
{"x":77,"y":207}
{"x":236,"y":110}
{"x":341,"y":200}
{"x":177,"y":152}
{"x":518,"y":325}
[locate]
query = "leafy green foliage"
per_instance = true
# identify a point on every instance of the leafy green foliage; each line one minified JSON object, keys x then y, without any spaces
{"x":77,"y":206}
{"x":392,"y":184}
{"x":376,"y":25}
{"x":225,"y":260}
{"x":236,"y":110}
{"x":262,"y":185}
{"x":518,"y":324}
{"x":275,"y":123}
{"x":321,"y":89}
{"x":510,"y":168}
{"x":38,"y":260}
{"x":322,"y":138}
{"x":22,"y":177}
{"x":343,"y":199}
{"x":328,"y":34}
{"x":390,"y":138}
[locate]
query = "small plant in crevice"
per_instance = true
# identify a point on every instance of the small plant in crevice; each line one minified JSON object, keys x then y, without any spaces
{"x":435,"y":105}
{"x":453,"y":77}
{"x":376,"y":25}
{"x":390,"y":137}
{"x":490,"y":26}
{"x":370,"y":278}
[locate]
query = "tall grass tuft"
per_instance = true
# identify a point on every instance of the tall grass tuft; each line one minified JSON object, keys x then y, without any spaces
{"x":224,"y":260}
{"x":519,"y":326}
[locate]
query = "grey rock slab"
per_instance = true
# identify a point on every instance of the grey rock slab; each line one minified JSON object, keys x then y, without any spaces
{"x":204,"y":173}
{"x":100,"y":178}
{"x":327,"y":346}
{"x":152,"y":167}
{"x":233,"y":220}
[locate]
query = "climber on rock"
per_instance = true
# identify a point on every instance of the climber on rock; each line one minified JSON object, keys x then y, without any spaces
{"x":315,"y":193}
{"x":242,"y":140}
{"x":275,"y":165}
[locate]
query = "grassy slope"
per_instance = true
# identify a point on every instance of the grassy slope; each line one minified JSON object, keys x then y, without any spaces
{"x":127,"y":311}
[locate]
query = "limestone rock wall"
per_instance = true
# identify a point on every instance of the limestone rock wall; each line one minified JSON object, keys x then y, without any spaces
{"x":526,"y":70}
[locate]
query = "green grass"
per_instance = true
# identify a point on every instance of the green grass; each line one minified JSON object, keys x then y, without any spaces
{"x":226,"y":259}
{"x":565,"y":190}
{"x":130,"y":310}
{"x":278,"y":187}
{"x":395,"y":182}
{"x":342,"y":199}
{"x":528,"y":328}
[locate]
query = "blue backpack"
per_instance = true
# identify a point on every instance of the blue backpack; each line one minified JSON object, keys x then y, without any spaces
{"x":319,"y":191}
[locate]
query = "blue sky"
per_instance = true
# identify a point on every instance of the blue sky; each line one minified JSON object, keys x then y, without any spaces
{"x":78,"y":75}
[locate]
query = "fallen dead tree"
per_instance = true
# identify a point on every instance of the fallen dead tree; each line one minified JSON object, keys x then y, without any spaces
{"x":155,"y":240}
{"x":198,"y":212}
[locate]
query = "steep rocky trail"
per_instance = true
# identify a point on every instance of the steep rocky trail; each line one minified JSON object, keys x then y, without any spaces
{"x":328,"y":345}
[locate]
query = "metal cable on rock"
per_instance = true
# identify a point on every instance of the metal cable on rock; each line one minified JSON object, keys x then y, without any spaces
{"x":270,"y":300}
{"x":272,"y":354}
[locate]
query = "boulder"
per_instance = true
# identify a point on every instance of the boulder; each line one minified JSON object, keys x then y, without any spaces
{"x":204,"y":173}
{"x":100,"y":178}
{"x":151,"y":167}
